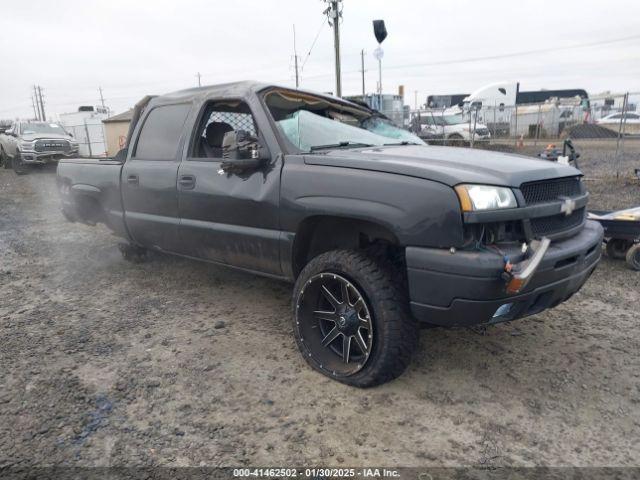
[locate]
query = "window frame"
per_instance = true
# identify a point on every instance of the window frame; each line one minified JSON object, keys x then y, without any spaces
{"x":196,"y":127}
{"x":178,"y":155}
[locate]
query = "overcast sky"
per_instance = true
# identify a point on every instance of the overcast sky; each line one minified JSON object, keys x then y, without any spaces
{"x":133,"y":48}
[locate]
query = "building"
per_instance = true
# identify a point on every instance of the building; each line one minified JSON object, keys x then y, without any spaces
{"x":116,"y":129}
{"x":389,"y":105}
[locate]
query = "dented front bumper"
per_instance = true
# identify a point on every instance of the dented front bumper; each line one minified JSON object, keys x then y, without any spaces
{"x":467,"y":288}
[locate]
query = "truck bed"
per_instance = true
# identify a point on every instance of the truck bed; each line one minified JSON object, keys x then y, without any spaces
{"x":90,"y":191}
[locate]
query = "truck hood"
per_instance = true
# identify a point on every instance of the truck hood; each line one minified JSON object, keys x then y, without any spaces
{"x":448,"y":165}
{"x":49,"y":136}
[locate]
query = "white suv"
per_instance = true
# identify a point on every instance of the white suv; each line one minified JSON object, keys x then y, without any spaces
{"x":451,"y":128}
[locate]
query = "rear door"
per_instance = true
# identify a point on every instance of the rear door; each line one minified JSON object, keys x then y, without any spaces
{"x":149,"y":178}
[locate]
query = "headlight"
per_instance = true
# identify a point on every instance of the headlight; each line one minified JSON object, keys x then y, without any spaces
{"x":485,"y":197}
{"x":27,"y":145}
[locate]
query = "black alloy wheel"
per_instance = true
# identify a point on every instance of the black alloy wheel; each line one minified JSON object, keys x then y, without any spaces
{"x":335,"y":320}
{"x":351,"y":318}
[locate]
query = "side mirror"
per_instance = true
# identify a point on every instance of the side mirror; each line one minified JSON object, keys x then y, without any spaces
{"x":241,"y":151}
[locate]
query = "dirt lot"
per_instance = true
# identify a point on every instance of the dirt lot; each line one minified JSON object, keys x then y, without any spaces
{"x":174,"y":362}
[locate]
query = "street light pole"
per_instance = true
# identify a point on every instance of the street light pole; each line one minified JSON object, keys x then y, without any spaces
{"x":362,"y":60}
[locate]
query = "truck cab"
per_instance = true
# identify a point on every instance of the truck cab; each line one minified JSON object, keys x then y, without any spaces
{"x":377,"y":231}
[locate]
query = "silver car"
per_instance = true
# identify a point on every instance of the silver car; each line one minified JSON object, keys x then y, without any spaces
{"x":28,"y":143}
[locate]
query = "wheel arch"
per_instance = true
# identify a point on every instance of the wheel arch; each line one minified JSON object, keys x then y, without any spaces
{"x":318,"y":234}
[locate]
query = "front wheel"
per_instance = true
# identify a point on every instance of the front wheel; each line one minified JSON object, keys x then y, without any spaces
{"x":4,"y":159}
{"x":617,"y":248}
{"x":633,"y":257}
{"x":351,"y":318}
{"x":455,"y":140}
{"x":18,"y":165}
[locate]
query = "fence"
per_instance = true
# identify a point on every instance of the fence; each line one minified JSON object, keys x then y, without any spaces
{"x":90,"y":137}
{"x":609,"y":116}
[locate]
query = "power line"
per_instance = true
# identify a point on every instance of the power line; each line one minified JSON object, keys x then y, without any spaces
{"x":313,"y":44}
{"x":518,"y":54}
{"x":499,"y":56}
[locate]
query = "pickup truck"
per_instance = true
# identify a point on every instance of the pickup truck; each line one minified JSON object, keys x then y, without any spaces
{"x":380,"y":233}
{"x":29,"y":143}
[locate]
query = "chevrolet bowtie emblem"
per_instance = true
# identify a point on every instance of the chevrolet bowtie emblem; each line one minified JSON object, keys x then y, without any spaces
{"x":568,"y":206}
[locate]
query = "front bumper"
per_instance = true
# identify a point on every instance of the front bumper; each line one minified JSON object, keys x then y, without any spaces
{"x":46,"y":157}
{"x":466,"y":288}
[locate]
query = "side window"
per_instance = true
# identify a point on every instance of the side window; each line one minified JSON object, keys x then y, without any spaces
{"x":218,"y":119}
{"x":161,"y":132}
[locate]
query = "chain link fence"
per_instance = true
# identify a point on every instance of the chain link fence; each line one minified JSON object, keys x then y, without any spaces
{"x":606,"y":117}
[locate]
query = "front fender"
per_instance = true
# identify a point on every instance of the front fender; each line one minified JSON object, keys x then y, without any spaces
{"x":418,"y":212}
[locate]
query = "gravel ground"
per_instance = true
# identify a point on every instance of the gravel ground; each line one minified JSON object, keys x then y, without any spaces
{"x":174,"y":363}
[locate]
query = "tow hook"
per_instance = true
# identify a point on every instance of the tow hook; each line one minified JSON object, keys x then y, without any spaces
{"x":518,"y":275}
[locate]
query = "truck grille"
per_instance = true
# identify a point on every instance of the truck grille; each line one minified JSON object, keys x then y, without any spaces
{"x":52,"y":146}
{"x":555,"y":224}
{"x":550,"y":190}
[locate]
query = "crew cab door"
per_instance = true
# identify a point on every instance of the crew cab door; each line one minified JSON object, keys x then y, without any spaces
{"x":229,"y":218}
{"x":149,"y":176}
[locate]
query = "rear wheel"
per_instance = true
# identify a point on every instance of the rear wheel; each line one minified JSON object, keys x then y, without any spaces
{"x":133,"y":253}
{"x":617,"y":248}
{"x":633,"y":257}
{"x":351,"y":319}
{"x":18,"y":165}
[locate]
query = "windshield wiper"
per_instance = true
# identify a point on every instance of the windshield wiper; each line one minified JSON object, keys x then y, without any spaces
{"x":404,"y":142}
{"x":347,"y":143}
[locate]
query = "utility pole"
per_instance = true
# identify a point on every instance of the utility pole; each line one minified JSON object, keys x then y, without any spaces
{"x":36,"y":105}
{"x":44,"y":116}
{"x":295,"y":56}
{"x":33,"y":103}
{"x":362,"y":62}
{"x":199,"y":82}
{"x":334,"y":13}
{"x":101,"y":98}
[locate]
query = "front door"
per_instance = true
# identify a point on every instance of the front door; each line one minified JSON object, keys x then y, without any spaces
{"x":149,"y":176}
{"x":228,"y":218}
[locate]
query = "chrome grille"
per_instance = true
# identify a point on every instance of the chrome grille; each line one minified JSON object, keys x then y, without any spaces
{"x":555,"y":224}
{"x":550,"y":190}
{"x":52,"y":146}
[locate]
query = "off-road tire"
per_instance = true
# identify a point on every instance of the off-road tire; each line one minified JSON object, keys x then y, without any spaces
{"x":395,"y":333}
{"x":633,"y":257}
{"x":19,"y":167}
{"x":617,"y":248}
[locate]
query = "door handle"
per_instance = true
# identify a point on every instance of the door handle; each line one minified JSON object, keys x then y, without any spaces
{"x":133,"y":179}
{"x":187,"y":182}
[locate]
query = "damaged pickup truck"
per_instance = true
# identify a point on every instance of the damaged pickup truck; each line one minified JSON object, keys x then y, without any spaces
{"x":379,"y":232}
